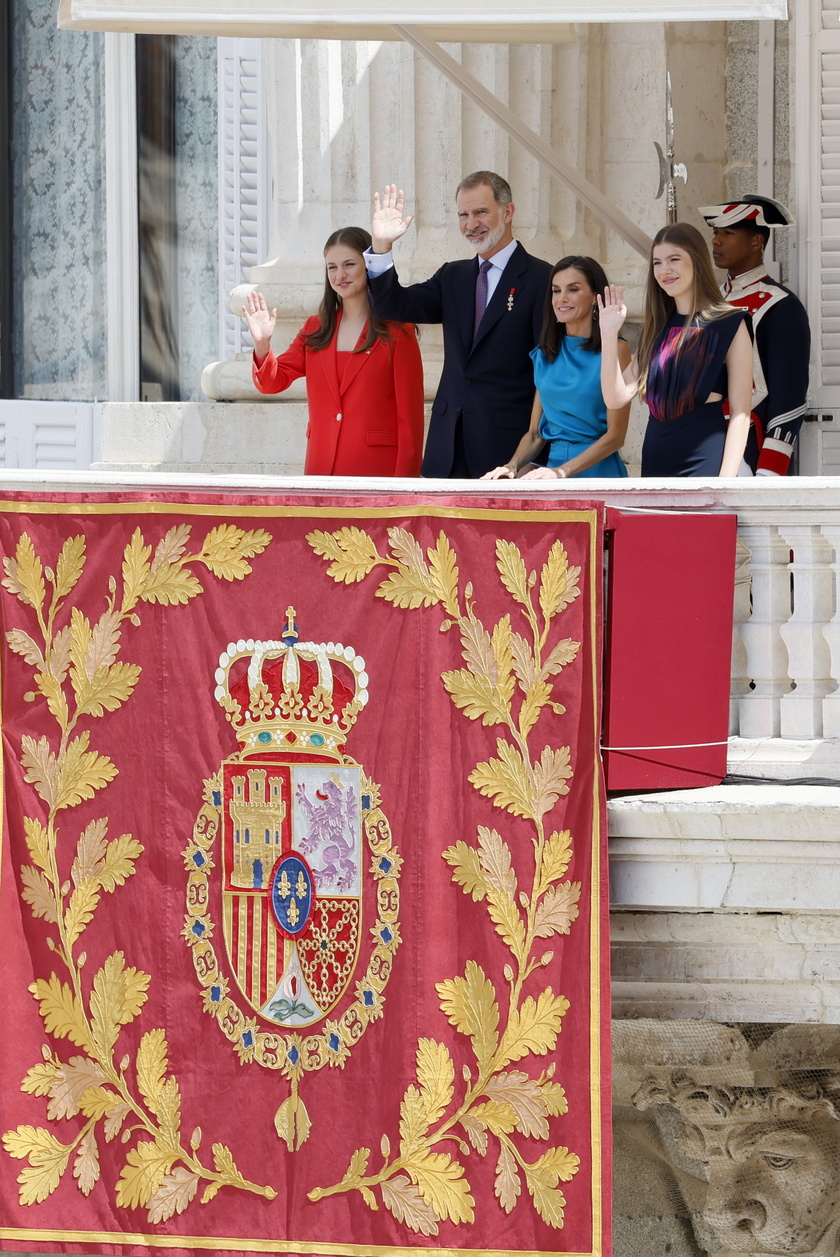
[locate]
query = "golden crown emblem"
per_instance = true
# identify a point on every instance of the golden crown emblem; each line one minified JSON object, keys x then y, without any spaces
{"x":290,"y":697}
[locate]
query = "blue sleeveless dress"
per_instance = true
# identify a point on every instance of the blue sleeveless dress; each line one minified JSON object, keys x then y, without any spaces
{"x":574,"y":412}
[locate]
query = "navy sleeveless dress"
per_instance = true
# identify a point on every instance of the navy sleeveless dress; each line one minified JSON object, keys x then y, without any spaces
{"x":686,"y":434}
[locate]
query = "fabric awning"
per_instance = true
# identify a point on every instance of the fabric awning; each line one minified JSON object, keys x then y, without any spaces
{"x":477,"y":20}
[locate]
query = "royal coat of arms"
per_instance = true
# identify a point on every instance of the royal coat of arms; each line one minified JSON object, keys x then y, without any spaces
{"x":290,"y":831}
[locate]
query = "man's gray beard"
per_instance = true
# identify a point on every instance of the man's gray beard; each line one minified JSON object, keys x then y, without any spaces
{"x":485,"y":243}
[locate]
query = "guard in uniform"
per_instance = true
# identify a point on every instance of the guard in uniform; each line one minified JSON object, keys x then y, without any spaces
{"x":782,"y":343}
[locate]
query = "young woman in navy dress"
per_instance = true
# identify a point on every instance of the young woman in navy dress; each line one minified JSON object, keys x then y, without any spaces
{"x":693,"y":365}
{"x":569,"y":412}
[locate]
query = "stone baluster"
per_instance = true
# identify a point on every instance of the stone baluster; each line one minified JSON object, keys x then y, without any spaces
{"x":831,"y":633}
{"x":740,"y":683}
{"x":766,"y":653}
{"x":809,"y":658}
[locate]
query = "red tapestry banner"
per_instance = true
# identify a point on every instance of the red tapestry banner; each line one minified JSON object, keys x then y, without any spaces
{"x":303,"y":895}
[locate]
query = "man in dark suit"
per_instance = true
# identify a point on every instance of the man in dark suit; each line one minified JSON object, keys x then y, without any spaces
{"x":491,"y":308}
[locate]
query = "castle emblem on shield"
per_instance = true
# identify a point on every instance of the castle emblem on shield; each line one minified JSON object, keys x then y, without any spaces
{"x":291,"y":855}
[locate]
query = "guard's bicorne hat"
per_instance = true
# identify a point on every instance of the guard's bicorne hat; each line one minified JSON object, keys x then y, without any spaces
{"x":762,"y":211}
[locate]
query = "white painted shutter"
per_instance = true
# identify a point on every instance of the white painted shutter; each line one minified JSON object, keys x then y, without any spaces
{"x":244,"y":184}
{"x":56,"y":436}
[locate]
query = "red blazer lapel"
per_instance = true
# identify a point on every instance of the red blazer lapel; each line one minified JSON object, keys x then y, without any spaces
{"x":356,"y":361}
{"x":329,"y":366}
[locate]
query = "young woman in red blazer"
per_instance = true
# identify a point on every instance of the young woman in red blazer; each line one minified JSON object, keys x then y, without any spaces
{"x":364,"y":377}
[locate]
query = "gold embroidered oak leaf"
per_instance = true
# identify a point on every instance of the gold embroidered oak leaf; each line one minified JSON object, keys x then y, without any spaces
{"x":171,"y":546}
{"x":90,"y":851}
{"x":62,"y":1014}
{"x":468,"y":871}
{"x":476,"y":697}
{"x":174,"y":1194}
{"x":103,"y":643}
{"x":25,"y":574}
{"x":477,"y":649}
{"x":118,"y":864}
{"x":508,"y":1184}
{"x":496,"y":1116}
{"x":81,"y":773}
{"x":407,"y":550}
{"x":114,"y":1120}
{"x":536,"y":698}
{"x":50,"y":687}
{"x":80,"y":911}
{"x":38,"y":842}
{"x":108,"y":689}
{"x":555,"y":1099}
{"x":436,"y":1076}
{"x":152,"y":1064}
{"x":476,"y":1133}
{"x":70,"y":565}
{"x":226,"y":549}
{"x":73,"y":1078}
{"x":40,"y":767}
{"x":444,"y":573}
{"x":551,"y":776}
{"x":224,"y":1162}
{"x":351,"y":552}
{"x":408,"y":589}
{"x":441,"y":1183}
{"x":565,"y":652}
{"x":47,"y":1161}
{"x":171,"y":585}
{"x":512,"y":571}
{"x":555,"y":1165}
{"x":414,"y":1124}
{"x":533,"y":1027}
{"x":556,"y":912}
{"x":22,"y":644}
{"x":145,"y":1168}
{"x":58,"y":662}
{"x":503,"y":658}
{"x":38,"y":1080}
{"x":38,"y":892}
{"x":98,"y":1102}
{"x":525,"y":1098}
{"x":86,"y":1163}
{"x":556,"y":856}
{"x":558,"y":582}
{"x":495,"y":858}
{"x":135,"y":570}
{"x":506,"y":780}
{"x":170,"y":1110}
{"x":471,"y":1006}
{"x":524,"y":663}
{"x":117,"y":995}
{"x":403,"y":1200}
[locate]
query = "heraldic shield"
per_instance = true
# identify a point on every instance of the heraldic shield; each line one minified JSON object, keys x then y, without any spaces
{"x":290,"y":830}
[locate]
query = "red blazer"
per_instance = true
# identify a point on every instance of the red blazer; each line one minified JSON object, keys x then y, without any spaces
{"x":370,"y":422}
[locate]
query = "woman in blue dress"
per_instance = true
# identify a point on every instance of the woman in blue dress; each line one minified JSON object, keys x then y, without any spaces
{"x":569,"y":412}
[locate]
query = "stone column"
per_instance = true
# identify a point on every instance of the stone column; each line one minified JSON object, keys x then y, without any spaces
{"x":345,"y":118}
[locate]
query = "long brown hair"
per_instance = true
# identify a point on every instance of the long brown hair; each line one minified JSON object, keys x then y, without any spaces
{"x":706,"y":302}
{"x":553,"y":332}
{"x":358,"y":239}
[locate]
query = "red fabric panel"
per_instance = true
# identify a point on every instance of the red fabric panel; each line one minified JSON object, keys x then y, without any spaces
{"x":278,"y":982}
